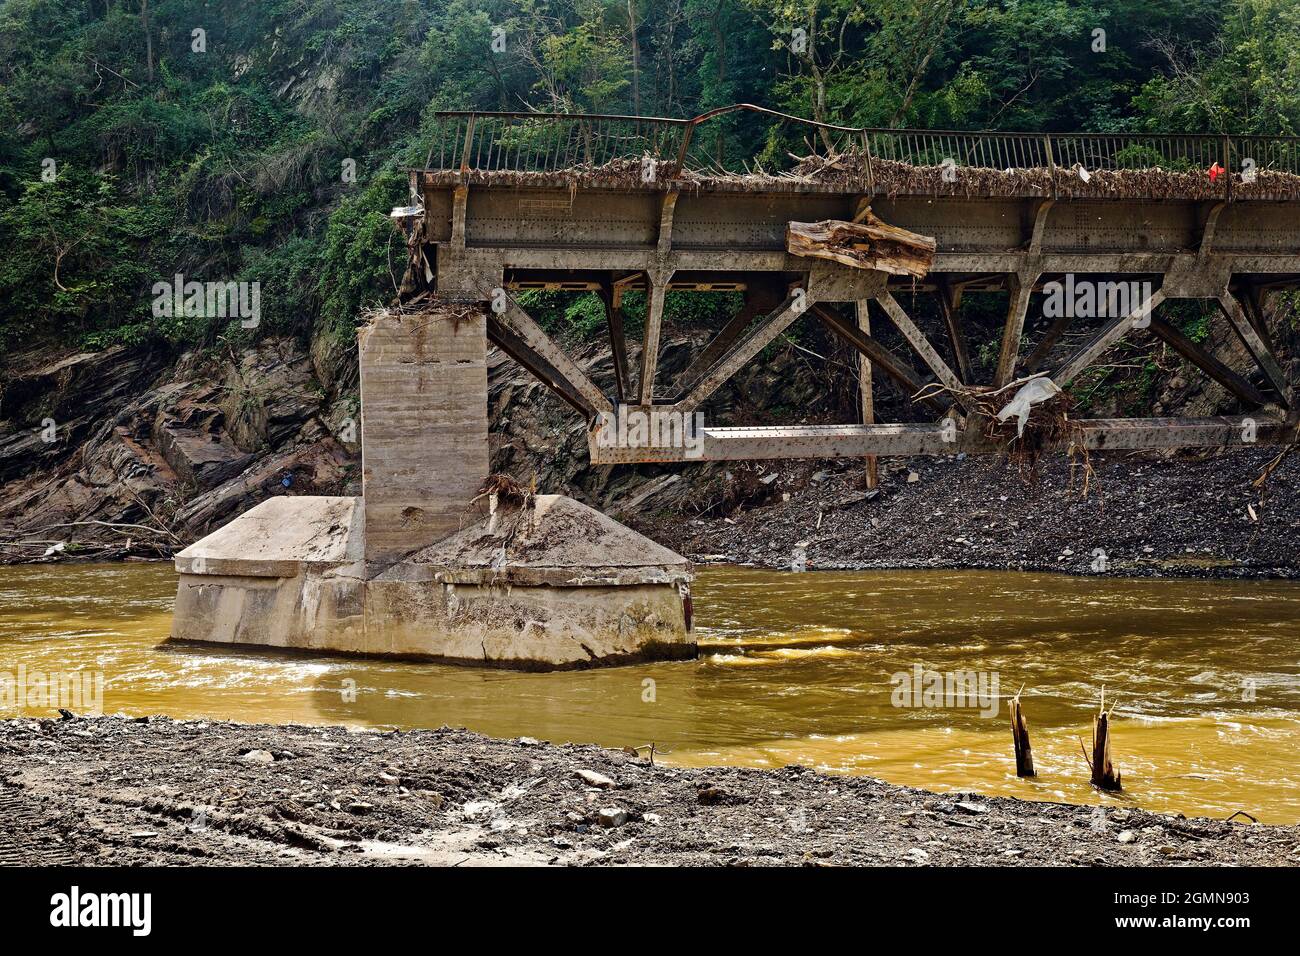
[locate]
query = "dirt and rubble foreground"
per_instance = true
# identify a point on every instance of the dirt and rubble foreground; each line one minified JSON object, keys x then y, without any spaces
{"x":153,"y":791}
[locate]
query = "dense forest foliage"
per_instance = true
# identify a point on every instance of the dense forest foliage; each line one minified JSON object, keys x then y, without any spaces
{"x":265,"y":140}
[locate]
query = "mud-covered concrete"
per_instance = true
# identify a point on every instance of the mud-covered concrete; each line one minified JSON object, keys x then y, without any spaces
{"x":156,"y":792}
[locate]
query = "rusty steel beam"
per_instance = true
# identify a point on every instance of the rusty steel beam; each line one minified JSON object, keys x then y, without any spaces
{"x":1133,"y":434}
{"x":1251,"y":299}
{"x":1258,"y":350}
{"x":612,"y":297}
{"x":949,"y":301}
{"x":1044,"y":348}
{"x":516,"y":320}
{"x":744,"y":350}
{"x":1020,"y":288}
{"x":1206,"y":362}
{"x":1115,"y":330}
{"x":504,"y":338}
{"x":859,"y":441}
{"x":759,"y":299}
{"x":656,"y":289}
{"x":898,"y":369}
{"x":917,"y":338}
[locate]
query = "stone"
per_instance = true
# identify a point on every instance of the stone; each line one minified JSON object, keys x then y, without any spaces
{"x":1126,"y":836}
{"x":611,"y":817}
{"x":594,"y":779}
{"x":258,"y":756}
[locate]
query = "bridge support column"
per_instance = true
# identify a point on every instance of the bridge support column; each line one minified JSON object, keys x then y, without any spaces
{"x":656,"y":288}
{"x":424,"y":426}
{"x":1019,"y":287}
{"x":866,"y":390}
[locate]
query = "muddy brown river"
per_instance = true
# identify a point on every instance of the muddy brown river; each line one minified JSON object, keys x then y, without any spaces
{"x":845,"y":672}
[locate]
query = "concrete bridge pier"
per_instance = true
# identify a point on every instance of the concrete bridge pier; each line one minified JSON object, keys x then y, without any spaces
{"x":424,"y":426}
{"x":423,"y":565}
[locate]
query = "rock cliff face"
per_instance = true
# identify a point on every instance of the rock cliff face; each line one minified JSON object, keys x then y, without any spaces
{"x":135,"y":452}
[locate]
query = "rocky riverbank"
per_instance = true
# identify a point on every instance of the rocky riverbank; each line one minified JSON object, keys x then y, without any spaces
{"x":1189,"y":515}
{"x":115,"y":791}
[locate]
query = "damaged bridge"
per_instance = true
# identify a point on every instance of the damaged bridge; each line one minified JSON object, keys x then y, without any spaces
{"x":439,"y":560}
{"x":608,"y":204}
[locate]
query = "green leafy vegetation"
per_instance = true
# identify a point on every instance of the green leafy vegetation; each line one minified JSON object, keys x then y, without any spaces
{"x":145,"y":139}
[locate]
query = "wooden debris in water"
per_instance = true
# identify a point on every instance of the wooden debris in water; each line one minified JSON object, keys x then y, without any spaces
{"x":1104,"y":775}
{"x":1020,"y":738}
{"x":871,"y":243}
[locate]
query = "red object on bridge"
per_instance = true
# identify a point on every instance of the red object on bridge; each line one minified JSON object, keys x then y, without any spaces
{"x":1216,"y":171}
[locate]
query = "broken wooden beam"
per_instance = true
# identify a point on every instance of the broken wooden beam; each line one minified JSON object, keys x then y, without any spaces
{"x":1104,"y":775}
{"x":870,"y":244}
{"x":1020,"y":739}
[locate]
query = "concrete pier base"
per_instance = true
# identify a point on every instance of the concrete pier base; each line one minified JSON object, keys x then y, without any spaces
{"x":553,"y":585}
{"x":414,"y":568}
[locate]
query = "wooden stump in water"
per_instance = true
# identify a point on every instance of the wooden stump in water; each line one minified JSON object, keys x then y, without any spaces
{"x":1020,"y":738}
{"x":1104,"y":776}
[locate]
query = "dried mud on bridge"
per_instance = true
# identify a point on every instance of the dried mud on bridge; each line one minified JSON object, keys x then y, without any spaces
{"x":159,"y":792}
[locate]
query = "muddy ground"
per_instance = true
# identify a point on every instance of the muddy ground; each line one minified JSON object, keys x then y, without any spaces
{"x":1145,"y":514}
{"x":116,"y":791}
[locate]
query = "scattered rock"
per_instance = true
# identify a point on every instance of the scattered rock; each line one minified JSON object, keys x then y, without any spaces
{"x":594,"y":779}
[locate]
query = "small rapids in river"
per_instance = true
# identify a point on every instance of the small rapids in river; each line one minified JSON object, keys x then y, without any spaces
{"x":794,"y":669}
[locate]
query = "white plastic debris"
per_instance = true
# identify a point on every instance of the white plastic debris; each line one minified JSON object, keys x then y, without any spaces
{"x":1030,"y":394}
{"x":1084,"y":174}
{"x":799,"y":558}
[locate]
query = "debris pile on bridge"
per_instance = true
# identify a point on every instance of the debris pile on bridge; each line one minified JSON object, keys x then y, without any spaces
{"x":847,"y":171}
{"x":850,"y":172}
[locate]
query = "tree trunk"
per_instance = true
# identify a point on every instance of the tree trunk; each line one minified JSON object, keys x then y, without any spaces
{"x":870,"y":244}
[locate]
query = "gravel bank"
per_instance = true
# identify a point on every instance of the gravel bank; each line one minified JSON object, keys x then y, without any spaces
{"x":114,"y":791}
{"x":1189,"y":516}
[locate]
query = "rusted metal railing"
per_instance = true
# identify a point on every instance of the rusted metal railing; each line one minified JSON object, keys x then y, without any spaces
{"x":552,"y":142}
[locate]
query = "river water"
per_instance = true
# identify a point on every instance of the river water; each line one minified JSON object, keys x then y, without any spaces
{"x":794,"y":668}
